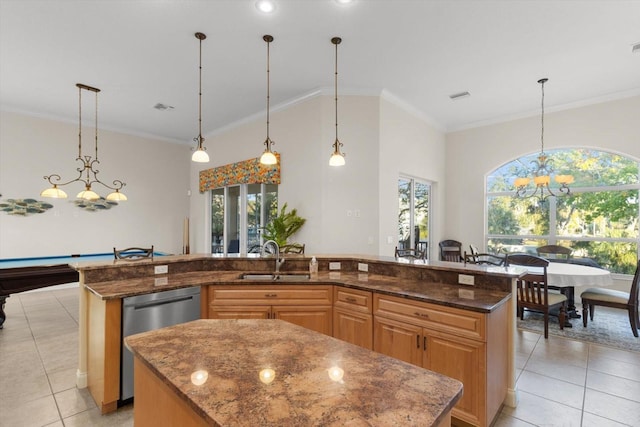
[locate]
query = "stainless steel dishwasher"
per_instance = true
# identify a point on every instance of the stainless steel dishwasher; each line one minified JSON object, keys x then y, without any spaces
{"x":153,"y":311}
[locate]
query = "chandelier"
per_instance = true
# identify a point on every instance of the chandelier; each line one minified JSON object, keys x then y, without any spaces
{"x":200,"y":154}
{"x":337,"y":158}
{"x":543,"y":167}
{"x":268,"y":157}
{"x":88,"y":174}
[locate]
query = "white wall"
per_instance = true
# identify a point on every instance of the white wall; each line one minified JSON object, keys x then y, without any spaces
{"x":156,"y":174}
{"x":350,"y":209}
{"x":408,"y":146}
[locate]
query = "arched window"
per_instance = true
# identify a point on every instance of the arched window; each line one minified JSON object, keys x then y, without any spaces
{"x":598,"y":220}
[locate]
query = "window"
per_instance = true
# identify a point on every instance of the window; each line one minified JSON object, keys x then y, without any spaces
{"x":598,"y":220}
{"x":238,"y":214}
{"x":413,"y":214}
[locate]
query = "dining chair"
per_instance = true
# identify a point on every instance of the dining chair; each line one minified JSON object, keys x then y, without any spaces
{"x":614,"y":299}
{"x":532,"y":290}
{"x":554,"y":252}
{"x":133,"y":254}
{"x":410,"y":253}
{"x":483,"y":259}
{"x":450,"y":250}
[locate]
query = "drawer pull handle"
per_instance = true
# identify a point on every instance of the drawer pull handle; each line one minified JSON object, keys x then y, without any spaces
{"x":425,"y":343}
{"x":418,"y":341}
{"x":270,"y":295}
{"x":423,"y":315}
{"x":350,"y":299}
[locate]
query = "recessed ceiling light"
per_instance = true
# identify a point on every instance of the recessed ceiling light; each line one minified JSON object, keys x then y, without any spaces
{"x":265,"y":6}
{"x":460,"y":95}
{"x":344,"y":1}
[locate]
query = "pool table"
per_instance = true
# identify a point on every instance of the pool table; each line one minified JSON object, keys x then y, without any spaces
{"x":24,"y":274}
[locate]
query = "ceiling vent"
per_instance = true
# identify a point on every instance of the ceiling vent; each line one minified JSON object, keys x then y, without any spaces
{"x":635,"y":48}
{"x":460,"y":95}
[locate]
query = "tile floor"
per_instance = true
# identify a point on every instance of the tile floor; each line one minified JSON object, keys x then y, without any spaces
{"x":561,"y":382}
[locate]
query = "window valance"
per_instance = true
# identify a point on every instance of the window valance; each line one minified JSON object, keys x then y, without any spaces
{"x":244,"y":172}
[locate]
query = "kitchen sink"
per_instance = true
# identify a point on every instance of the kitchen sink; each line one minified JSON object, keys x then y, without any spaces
{"x":281,"y":277}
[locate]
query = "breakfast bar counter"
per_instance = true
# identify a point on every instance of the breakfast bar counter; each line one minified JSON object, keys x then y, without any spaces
{"x":271,"y":372}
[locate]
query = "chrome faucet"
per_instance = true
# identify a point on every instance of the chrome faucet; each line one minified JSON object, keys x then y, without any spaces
{"x":263,"y":252}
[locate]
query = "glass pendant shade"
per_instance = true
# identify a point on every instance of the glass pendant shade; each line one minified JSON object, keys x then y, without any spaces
{"x":337,"y":159}
{"x":200,"y":156}
{"x":268,"y":158}
{"x":88,"y":194}
{"x":117,"y":196}
{"x":54,"y":193}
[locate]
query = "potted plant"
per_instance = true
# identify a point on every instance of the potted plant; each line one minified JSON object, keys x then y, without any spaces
{"x":282,"y":227}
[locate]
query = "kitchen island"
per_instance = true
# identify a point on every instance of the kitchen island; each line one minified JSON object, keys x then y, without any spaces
{"x":417,"y":313}
{"x":271,"y":372}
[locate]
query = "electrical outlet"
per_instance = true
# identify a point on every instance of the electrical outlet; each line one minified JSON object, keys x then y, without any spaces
{"x":161,"y":269}
{"x":334,"y":266}
{"x":363,"y":267}
{"x":466,"y":293}
{"x":465,"y":279}
{"x":161,"y":281}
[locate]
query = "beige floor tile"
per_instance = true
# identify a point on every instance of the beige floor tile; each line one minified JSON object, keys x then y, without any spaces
{"x":508,"y":421}
{"x":19,"y":362}
{"x":74,"y":401}
{"x":121,"y":418}
{"x":56,"y":424}
{"x":542,"y":412}
{"x":563,"y":351}
{"x":561,"y":371}
{"x":611,"y":407}
{"x":552,"y":389}
{"x":24,"y":386}
{"x":62,"y":380}
{"x":617,"y":386}
{"x":617,"y":368}
{"x":38,"y":412}
{"x":598,"y":352}
{"x":591,"y":420}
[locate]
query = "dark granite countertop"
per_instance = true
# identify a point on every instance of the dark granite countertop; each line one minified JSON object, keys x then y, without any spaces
{"x":459,"y":296}
{"x":316,"y":379}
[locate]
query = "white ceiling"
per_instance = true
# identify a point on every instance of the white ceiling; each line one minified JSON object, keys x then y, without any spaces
{"x":144,"y":52}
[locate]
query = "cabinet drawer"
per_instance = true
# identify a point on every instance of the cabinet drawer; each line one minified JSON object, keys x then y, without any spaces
{"x":352,"y":299}
{"x":437,"y":317}
{"x":270,"y":294}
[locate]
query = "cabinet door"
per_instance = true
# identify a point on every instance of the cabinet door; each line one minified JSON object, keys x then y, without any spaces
{"x":397,"y":339}
{"x":353,"y":327}
{"x":464,"y":360}
{"x":315,"y":318}
{"x":240,"y":312}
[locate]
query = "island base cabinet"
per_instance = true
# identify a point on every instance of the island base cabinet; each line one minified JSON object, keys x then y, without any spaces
{"x":352,"y":318}
{"x":353,"y":327}
{"x":464,"y":349}
{"x":157,"y":405}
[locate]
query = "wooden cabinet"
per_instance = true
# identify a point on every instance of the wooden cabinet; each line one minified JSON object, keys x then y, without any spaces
{"x":309,"y":306}
{"x":352,"y":318}
{"x":465,"y":345}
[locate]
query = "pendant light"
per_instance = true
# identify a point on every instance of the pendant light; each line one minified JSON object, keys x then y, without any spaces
{"x":200,"y":154}
{"x":88,"y":175}
{"x":543,"y":167}
{"x":337,"y":158}
{"x":268,"y":157}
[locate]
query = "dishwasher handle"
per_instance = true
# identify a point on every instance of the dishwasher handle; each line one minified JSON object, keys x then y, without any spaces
{"x":156,"y":303}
